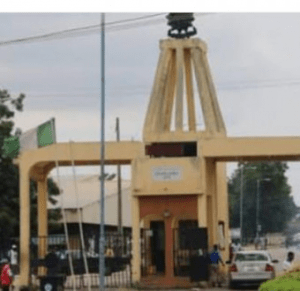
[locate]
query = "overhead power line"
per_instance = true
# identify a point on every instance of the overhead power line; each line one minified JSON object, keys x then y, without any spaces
{"x":140,"y":90}
{"x":90,"y":29}
{"x":75,"y":31}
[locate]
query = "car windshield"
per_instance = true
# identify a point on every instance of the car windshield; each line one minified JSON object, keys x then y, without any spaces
{"x":251,"y":257}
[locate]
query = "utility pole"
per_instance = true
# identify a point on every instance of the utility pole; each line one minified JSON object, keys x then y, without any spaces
{"x":241,"y":201}
{"x":257,"y":208}
{"x":120,"y":229}
{"x":102,"y":156}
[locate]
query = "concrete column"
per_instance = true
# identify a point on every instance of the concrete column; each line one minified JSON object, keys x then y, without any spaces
{"x":179,"y":93}
{"x":42,"y":220}
{"x":202,"y":210}
{"x":189,"y":91}
{"x":24,"y":224}
{"x":223,"y":206}
{"x":212,"y":203}
{"x":169,"y":261}
{"x":136,"y":261}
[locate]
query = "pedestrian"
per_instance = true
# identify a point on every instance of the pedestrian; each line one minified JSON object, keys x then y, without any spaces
{"x":256,"y":243}
{"x":13,"y":258}
{"x":231,"y":251}
{"x":266,"y":243}
{"x":288,"y":263}
{"x":238,"y":246}
{"x":6,"y":275}
{"x":52,"y":262}
{"x":215,"y":272}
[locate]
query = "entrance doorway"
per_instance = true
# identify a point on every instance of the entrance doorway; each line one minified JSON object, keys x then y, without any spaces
{"x":157,"y":243}
{"x":190,"y":250}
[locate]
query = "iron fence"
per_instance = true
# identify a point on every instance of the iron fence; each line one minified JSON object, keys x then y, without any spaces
{"x":117,"y":260}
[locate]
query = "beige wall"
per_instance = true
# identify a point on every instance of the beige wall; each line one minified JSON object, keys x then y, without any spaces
{"x":247,"y":148}
{"x":185,"y":179}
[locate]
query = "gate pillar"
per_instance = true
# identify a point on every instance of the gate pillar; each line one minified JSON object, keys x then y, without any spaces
{"x":212,"y":200}
{"x":24,"y":224}
{"x":202,"y":210}
{"x":136,"y":260}
{"x":42,"y":221}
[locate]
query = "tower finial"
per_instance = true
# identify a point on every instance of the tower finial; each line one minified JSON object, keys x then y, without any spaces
{"x":180,"y":24}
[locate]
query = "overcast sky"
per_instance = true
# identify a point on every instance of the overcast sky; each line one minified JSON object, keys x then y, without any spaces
{"x":254,"y":59}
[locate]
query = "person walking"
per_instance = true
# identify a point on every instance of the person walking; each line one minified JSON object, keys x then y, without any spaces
{"x":6,"y":275}
{"x":215,"y":273}
{"x":13,"y":257}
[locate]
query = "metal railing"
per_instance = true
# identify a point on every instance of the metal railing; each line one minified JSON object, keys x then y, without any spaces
{"x":117,"y":259}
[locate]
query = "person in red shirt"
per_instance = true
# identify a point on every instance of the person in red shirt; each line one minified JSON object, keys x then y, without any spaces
{"x":6,"y":275}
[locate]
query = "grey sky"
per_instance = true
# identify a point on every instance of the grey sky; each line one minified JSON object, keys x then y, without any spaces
{"x":254,"y":59}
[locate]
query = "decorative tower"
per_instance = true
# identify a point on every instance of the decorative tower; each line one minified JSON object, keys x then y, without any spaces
{"x":182,"y":62}
{"x":178,"y":195}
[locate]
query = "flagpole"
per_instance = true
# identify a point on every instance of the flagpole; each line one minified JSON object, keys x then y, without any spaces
{"x":102,"y":208}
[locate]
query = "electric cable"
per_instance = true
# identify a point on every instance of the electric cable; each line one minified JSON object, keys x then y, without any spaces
{"x":91,"y":29}
{"x":237,"y":86}
{"x":69,"y":32}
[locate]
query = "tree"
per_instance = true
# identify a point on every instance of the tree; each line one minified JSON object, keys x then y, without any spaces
{"x":9,"y":174}
{"x":265,"y":181}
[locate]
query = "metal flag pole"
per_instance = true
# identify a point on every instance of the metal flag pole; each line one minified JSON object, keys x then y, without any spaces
{"x":120,"y":231}
{"x":102,"y":180}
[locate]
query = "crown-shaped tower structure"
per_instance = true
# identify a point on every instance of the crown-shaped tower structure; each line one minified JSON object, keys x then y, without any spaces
{"x":182,"y":76}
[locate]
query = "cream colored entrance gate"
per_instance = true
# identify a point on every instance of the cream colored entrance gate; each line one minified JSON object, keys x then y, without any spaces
{"x":168,"y":163}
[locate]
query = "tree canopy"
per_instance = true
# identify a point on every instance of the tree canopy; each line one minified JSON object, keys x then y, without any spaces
{"x":9,"y":174}
{"x":266,"y":190}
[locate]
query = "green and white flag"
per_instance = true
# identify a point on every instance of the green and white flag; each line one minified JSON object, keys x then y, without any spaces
{"x":41,"y":136}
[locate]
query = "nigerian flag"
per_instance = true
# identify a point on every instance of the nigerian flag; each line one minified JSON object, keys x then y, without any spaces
{"x":41,"y":136}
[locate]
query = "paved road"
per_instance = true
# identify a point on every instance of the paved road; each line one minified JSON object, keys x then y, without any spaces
{"x":280,"y":255}
{"x":277,"y":254}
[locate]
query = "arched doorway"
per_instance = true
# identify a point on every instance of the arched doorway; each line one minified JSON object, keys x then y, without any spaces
{"x":152,"y":245}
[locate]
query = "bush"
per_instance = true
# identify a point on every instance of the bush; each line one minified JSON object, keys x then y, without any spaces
{"x":286,"y":282}
{"x":280,"y":285}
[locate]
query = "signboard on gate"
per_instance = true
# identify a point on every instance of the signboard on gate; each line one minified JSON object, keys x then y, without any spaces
{"x":167,"y":173}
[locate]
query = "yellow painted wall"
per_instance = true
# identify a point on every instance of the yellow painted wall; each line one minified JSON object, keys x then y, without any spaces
{"x":186,"y":179}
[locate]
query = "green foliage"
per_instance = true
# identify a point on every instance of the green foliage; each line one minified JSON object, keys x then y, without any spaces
{"x":289,"y":281}
{"x":276,"y":205}
{"x":9,"y":174}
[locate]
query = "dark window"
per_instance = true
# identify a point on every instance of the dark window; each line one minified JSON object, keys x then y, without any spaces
{"x":183,"y":149}
{"x":184,"y":227}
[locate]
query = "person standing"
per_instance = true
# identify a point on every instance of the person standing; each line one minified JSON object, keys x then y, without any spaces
{"x":238,"y":247}
{"x":215,"y":273}
{"x":52,"y":262}
{"x":6,"y":275}
{"x":288,"y":263}
{"x":13,"y":257}
{"x":256,"y":243}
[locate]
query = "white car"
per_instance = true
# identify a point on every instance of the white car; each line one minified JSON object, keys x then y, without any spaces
{"x":251,"y":268}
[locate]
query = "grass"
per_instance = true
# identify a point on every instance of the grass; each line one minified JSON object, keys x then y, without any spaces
{"x":288,"y":281}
